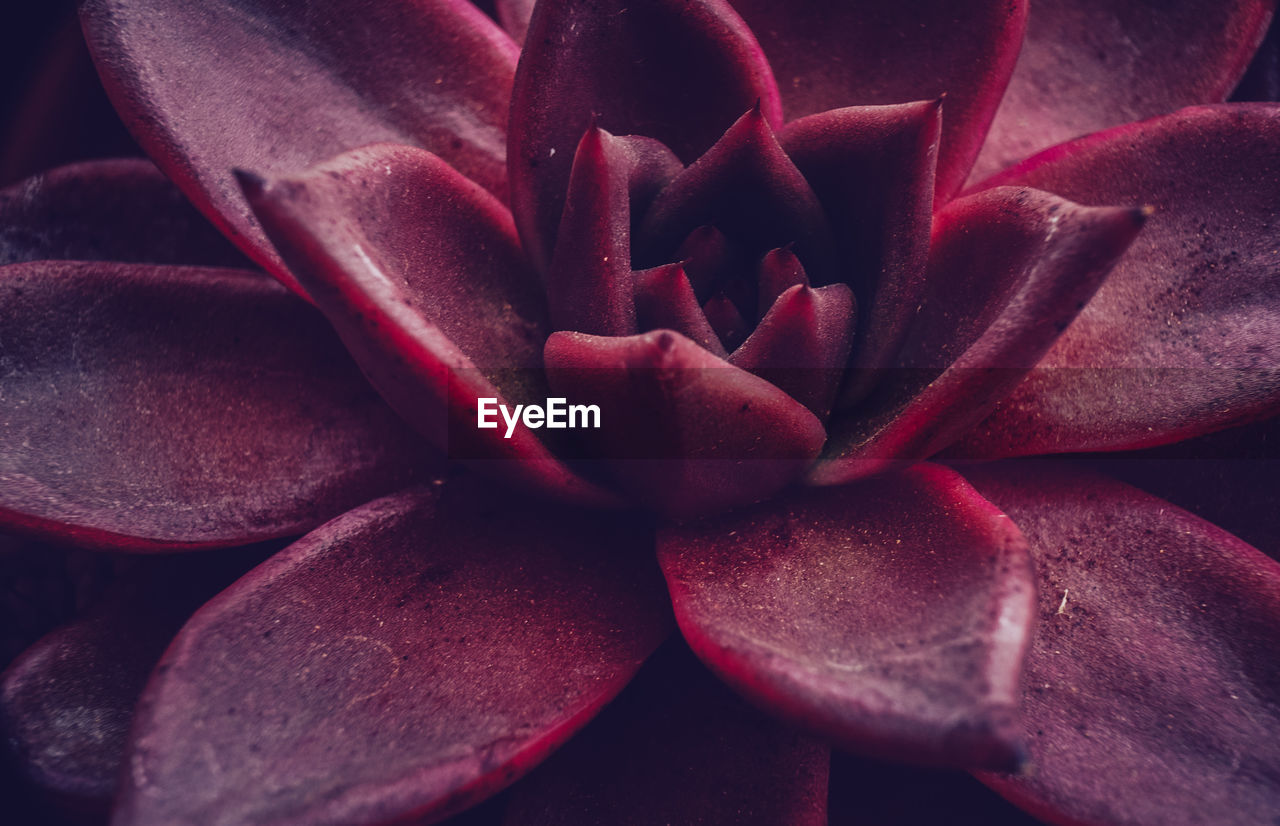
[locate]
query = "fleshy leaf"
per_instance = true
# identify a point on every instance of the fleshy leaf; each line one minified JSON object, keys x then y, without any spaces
{"x":678,"y":748}
{"x":679,"y":71}
{"x":435,"y":326}
{"x":802,"y":344}
{"x":829,"y":54}
{"x":747,"y":187}
{"x":66,"y":704}
{"x":114,"y":210}
{"x":1184,"y":336}
{"x":685,"y":432}
{"x":1087,"y":65}
{"x":589,"y":284}
{"x":873,"y":170}
{"x":297,"y":84}
{"x":403,"y":661}
{"x":148,"y":408}
{"x":779,"y":270}
{"x":889,"y":617}
{"x":1152,"y":693}
{"x":1008,"y":270}
{"x":665,"y":300}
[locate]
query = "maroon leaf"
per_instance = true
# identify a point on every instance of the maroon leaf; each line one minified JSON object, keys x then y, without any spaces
{"x":150,"y":408}
{"x":802,"y":344}
{"x":405,"y":660}
{"x":1184,"y":336}
{"x":1152,"y":691}
{"x":872,"y":168}
{"x":829,"y":54}
{"x":747,"y":187}
{"x":115,"y":210}
{"x":678,"y":748}
{"x":66,"y":704}
{"x":589,"y":284}
{"x":297,"y":84}
{"x":1008,"y":271}
{"x":436,"y":326}
{"x":683,"y":431}
{"x":1261,"y":80}
{"x":1090,"y":64}
{"x":889,"y":617}
{"x":665,"y":300}
{"x":680,"y":71}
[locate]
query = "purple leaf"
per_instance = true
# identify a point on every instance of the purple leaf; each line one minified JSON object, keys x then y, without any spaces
{"x":1008,"y":271}
{"x":1184,"y":336}
{"x":680,"y":71}
{"x":297,"y":84}
{"x":436,"y":326}
{"x":404,"y":661}
{"x":890,"y":618}
{"x":114,"y":210}
{"x":151,"y":408}
{"x":1088,"y":65}
{"x":829,"y":54}
{"x":1152,"y":693}
{"x":682,"y":431}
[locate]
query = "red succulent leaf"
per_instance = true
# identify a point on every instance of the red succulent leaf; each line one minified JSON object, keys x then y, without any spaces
{"x":665,"y":300}
{"x":1152,"y":691}
{"x":889,"y":617}
{"x":405,"y":660}
{"x":802,"y":344}
{"x":682,"y":430}
{"x":589,"y":284}
{"x":297,"y":84}
{"x":152,"y":408}
{"x":679,"y":748}
{"x":434,"y":326}
{"x":1008,"y":271}
{"x":829,"y":54}
{"x":114,"y":210}
{"x":679,"y":71}
{"x":66,"y":703}
{"x":746,"y":187}
{"x":1088,"y":65}
{"x":872,"y":168}
{"x":1184,"y":336}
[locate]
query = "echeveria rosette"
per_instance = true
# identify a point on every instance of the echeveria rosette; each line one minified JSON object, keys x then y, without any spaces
{"x":736,"y":227}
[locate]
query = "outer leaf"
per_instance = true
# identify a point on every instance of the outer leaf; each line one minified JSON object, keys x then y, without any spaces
{"x":829,"y":54}
{"x":1091,"y":64}
{"x":1184,"y":337}
{"x":680,"y":71}
{"x":403,"y":661}
{"x":1008,"y":271}
{"x":66,"y":704}
{"x":436,"y":326}
{"x":683,"y":431}
{"x":678,"y":747}
{"x":148,"y":408}
{"x":116,"y":210}
{"x":1152,"y":690}
{"x":298,"y":83}
{"x":891,"y":618}
{"x":872,"y":168}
